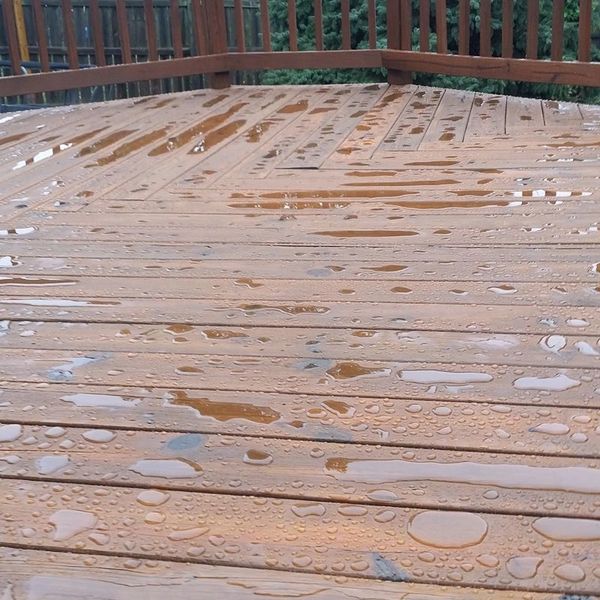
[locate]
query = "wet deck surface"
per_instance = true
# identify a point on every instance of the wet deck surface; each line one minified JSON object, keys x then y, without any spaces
{"x":292,"y":342}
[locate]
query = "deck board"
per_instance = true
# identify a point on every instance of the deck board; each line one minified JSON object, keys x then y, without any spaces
{"x":454,"y":480}
{"x":374,"y":421}
{"x":57,"y":575}
{"x":329,"y":341}
{"x":375,"y":542}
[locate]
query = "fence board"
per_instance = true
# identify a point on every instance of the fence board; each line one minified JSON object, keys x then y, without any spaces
{"x":123,"y":32}
{"x":585,"y":30}
{"x":10,"y":29}
{"x":485,"y":28}
{"x":441,"y":26}
{"x":292,"y":25}
{"x":265,"y":23}
{"x":464,"y":26}
{"x":558,"y":17}
{"x":96,"y":23}
{"x":372,"y":17}
{"x":424,"y":16}
{"x":42,"y":38}
{"x":507,"y":28}
{"x":70,"y":36}
{"x":150,"y":30}
{"x":176,"y":28}
{"x":393,"y":29}
{"x":240,"y":37}
{"x":405,"y":24}
{"x":345,"y":10}
{"x":319,"y":25}
{"x":533,"y":24}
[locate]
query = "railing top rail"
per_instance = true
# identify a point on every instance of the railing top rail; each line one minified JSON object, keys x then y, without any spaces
{"x":211,"y":37}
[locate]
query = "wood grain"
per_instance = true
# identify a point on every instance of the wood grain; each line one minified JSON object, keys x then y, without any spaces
{"x":293,"y":535}
{"x":119,"y":577}
{"x":453,"y":480}
{"x":371,"y":421}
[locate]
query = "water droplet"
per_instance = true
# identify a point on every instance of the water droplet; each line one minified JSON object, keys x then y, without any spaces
{"x":586,"y":349}
{"x":557,"y":383}
{"x":352,"y":370}
{"x":568,"y":530}
{"x":488,"y":560}
{"x":154,"y":518}
{"x":503,"y":289}
{"x":434,"y":377}
{"x":349,"y":510}
{"x":515,"y":476}
{"x":176,"y":468}
{"x":152,"y":497}
{"x":99,"y":401}
{"x":385,"y":516}
{"x":69,"y":523}
{"x":551,"y":428}
{"x":553,"y":343}
{"x":101,"y":539}
{"x":302,"y":561}
{"x":523,"y":567}
{"x":570,"y":572}
{"x":187,"y":534}
{"x":225,"y":411}
{"x":257,"y":457}
{"x":98,"y":436}
{"x":308,"y":510}
{"x":10,"y":433}
{"x":339,"y":408}
{"x":55,"y":432}
{"x":47,"y":465}
{"x":447,"y":529}
{"x":577,"y":322}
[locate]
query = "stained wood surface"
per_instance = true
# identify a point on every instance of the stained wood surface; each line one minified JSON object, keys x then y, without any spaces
{"x":374,"y":421}
{"x":117,"y":578}
{"x":298,"y":341}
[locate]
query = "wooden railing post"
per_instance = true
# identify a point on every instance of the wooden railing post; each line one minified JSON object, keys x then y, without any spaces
{"x":399,"y":28}
{"x":10,"y":27}
{"x":584,"y":52}
{"x":216,"y":37}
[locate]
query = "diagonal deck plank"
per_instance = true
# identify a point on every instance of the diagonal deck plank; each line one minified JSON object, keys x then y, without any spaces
{"x":59,"y":574}
{"x":338,"y":314}
{"x":322,"y":143}
{"x":575,"y":351}
{"x":369,"y":421}
{"x":551,"y":294}
{"x":348,"y":268}
{"x":276,"y":340}
{"x":411,"y":126}
{"x":228,"y":530}
{"x":269,"y":467}
{"x":473,"y":382}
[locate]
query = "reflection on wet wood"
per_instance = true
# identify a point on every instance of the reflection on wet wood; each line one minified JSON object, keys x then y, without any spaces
{"x":376,"y":542}
{"x":292,"y":341}
{"x":29,"y":572}
{"x":366,"y":420}
{"x":407,"y":476}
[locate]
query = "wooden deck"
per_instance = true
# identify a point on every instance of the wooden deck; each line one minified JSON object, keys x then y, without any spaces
{"x":318,"y":342}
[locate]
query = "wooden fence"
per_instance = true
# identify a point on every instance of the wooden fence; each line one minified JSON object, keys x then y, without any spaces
{"x":141,"y":40}
{"x":43,"y":36}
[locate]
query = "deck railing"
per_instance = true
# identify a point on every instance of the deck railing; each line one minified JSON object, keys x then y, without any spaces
{"x":402,"y":36}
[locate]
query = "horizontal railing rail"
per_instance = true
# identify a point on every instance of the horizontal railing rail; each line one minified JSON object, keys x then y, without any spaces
{"x":524,"y":40}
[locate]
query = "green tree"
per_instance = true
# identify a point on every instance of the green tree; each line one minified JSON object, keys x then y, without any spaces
{"x":359,"y":29}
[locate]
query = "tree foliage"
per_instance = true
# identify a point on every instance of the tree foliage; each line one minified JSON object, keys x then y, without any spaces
{"x":359,"y":33}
